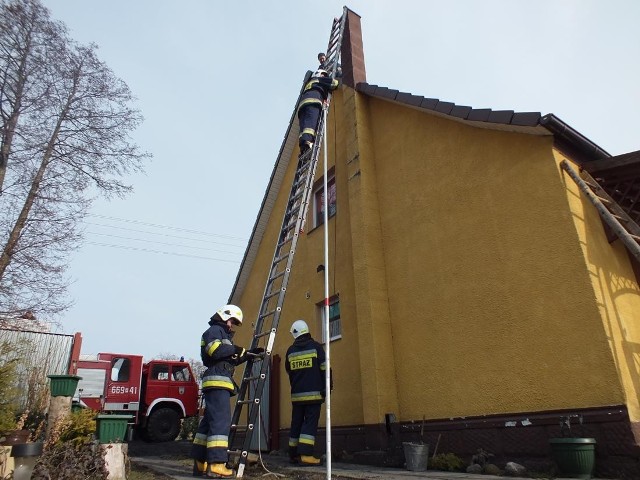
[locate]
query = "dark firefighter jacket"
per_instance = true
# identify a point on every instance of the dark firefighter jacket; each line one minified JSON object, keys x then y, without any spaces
{"x":316,"y":91}
{"x":216,"y":349}
{"x":306,"y":367}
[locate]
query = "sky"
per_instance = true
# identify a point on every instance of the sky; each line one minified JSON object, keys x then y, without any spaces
{"x":217,"y":82}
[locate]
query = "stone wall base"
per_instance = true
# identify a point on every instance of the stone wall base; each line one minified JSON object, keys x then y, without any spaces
{"x":523,"y":438}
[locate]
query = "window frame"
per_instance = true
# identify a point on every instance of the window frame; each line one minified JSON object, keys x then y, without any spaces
{"x":318,"y":190}
{"x":334,"y":300}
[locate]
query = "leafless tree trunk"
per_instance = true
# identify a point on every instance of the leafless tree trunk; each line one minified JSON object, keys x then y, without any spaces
{"x":66,"y":121}
{"x":23,"y":39}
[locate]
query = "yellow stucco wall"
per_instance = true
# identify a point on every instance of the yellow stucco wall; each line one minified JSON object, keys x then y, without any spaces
{"x":467,"y":285}
{"x":493,"y":310}
{"x":615,"y":287}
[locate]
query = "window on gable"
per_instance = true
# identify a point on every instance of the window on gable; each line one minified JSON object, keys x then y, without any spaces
{"x":318,"y":199}
{"x":335,"y":324}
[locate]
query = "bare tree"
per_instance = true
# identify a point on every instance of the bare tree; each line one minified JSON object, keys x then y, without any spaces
{"x":66,"y":121}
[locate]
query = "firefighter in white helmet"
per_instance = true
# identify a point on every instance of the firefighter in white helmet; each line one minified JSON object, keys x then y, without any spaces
{"x":306,"y":366}
{"x":220,"y":356}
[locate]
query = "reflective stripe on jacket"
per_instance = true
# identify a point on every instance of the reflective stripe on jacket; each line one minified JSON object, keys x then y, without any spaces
{"x":316,"y":91}
{"x":305,"y":365}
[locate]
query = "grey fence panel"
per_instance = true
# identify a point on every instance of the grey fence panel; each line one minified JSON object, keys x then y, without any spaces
{"x":39,"y":354}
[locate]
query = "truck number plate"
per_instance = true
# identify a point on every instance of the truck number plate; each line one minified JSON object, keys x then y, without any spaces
{"x":119,"y":389}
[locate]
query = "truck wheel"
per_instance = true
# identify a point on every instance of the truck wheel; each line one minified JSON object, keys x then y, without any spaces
{"x":163,"y":425}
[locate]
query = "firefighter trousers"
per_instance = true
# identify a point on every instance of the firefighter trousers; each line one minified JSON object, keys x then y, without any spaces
{"x":304,"y":427}
{"x":211,"y":441}
{"x":308,"y":117}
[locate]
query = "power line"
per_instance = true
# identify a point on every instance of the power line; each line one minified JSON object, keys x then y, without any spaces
{"x":163,"y":234}
{"x":160,"y":251}
{"x":168,"y":227}
{"x":160,"y":243}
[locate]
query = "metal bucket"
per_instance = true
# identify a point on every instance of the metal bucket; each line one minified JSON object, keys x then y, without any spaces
{"x":416,"y":456}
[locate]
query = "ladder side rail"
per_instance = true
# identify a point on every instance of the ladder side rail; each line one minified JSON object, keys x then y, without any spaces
{"x":301,"y":213}
{"x":257,"y":331}
{"x":300,"y":210}
{"x":254,"y":406}
{"x":280,"y":301}
{"x":264,"y":307}
{"x":333,"y":51}
{"x":607,"y":216}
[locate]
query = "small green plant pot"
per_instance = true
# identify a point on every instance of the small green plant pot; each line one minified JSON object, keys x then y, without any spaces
{"x":575,"y":457}
{"x":63,"y":385}
{"x":112,"y":428}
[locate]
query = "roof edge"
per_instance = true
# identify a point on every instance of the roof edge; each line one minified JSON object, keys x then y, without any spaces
{"x":567,"y":136}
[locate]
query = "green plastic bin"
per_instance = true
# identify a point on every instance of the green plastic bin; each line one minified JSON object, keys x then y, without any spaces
{"x":575,"y":456}
{"x":112,"y":428}
{"x":63,"y":385}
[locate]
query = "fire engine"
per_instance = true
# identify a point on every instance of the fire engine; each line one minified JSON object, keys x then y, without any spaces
{"x":158,"y":394}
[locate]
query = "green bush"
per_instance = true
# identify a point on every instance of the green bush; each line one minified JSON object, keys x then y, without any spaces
{"x":79,"y":426}
{"x":448,"y":462}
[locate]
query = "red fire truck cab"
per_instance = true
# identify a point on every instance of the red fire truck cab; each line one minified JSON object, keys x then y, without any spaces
{"x":158,"y":394}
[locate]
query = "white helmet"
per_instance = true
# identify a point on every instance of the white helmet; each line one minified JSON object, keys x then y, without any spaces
{"x":227,"y":312}
{"x":298,"y":328}
{"x":320,"y":72}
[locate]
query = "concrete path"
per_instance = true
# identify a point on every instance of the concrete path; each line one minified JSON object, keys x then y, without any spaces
{"x":178,"y":470}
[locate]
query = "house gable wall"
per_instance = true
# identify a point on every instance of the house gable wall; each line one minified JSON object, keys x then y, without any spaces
{"x":492,"y":309}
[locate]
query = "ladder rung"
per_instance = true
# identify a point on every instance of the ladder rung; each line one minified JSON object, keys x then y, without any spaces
{"x":289,"y":226}
{"x":244,"y":402}
{"x":619,"y":218}
{"x":277,"y":275}
{"x":604,"y":200}
{"x":263,"y":334}
{"x":592,"y":186}
{"x":284,"y":242}
{"x":635,"y":237}
{"x":268,"y":314}
{"x":293,"y":210}
{"x":297,"y":196}
{"x":271,"y":295}
{"x":251,"y":379}
{"x":279,"y":259}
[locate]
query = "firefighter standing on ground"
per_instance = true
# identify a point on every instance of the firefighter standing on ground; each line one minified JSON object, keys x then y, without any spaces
{"x":315,"y":93}
{"x":220,"y":356}
{"x":306,"y":366}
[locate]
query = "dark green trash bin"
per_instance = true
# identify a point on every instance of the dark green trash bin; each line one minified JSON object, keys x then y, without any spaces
{"x":112,"y":428}
{"x":63,"y":385}
{"x":575,"y":457}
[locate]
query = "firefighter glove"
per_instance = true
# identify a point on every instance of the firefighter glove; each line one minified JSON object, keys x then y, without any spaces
{"x":256,"y":351}
{"x":240,"y":353}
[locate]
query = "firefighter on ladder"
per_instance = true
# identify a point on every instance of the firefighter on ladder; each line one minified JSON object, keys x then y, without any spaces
{"x":305,"y":364}
{"x":315,"y":93}
{"x":220,"y":356}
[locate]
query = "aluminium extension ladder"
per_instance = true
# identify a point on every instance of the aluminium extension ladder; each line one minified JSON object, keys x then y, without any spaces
{"x":266,"y":325}
{"x":610,"y":211}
